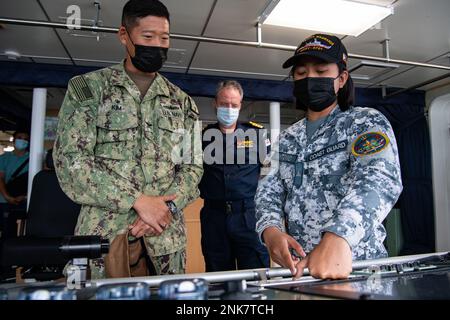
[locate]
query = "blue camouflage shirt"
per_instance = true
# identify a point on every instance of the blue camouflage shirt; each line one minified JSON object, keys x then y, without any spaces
{"x":345,"y":181}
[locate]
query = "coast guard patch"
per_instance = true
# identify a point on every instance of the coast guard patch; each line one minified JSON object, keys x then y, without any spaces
{"x":369,"y":143}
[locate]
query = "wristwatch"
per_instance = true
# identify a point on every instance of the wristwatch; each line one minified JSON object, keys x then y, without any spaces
{"x":172,"y":207}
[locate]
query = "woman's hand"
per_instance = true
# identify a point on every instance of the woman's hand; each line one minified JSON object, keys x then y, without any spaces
{"x":330,"y":259}
{"x":279,"y":245}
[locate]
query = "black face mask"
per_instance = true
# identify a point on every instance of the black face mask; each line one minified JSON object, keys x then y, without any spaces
{"x":315,"y":93}
{"x":148,"y":58}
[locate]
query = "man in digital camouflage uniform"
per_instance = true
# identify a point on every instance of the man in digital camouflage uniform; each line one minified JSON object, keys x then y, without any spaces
{"x":336,"y":174}
{"x":121,"y":134}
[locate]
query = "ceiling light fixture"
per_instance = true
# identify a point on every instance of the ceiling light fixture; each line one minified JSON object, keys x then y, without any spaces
{"x":330,"y":16}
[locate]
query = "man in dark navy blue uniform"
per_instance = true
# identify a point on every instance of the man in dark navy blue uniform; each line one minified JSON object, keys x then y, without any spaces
{"x":233,"y":155}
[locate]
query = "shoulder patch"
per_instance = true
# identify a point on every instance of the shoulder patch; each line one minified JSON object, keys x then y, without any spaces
{"x":81,"y":89}
{"x":256,"y":125}
{"x":369,"y":143}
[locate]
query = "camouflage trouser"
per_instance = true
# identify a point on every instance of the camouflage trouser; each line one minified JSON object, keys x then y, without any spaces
{"x":172,"y":263}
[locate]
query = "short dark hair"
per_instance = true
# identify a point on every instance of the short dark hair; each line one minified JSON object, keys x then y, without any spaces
{"x":136,"y":9}
{"x":346,"y":95}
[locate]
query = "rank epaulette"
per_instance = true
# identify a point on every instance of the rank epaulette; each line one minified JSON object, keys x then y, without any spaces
{"x":256,"y":125}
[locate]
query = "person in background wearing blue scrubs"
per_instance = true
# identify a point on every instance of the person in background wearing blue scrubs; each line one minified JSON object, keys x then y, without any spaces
{"x":13,"y":165}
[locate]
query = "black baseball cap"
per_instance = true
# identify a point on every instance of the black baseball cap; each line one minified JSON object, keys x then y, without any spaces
{"x":323,"y":46}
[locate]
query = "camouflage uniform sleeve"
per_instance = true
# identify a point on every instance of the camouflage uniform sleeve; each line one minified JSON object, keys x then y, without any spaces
{"x":269,"y":200}
{"x":376,"y":181}
{"x":190,"y":170}
{"x":82,"y":178}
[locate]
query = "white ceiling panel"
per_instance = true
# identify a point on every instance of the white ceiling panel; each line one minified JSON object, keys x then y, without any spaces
{"x":418,"y":31}
{"x":247,"y":59}
{"x":21,"y":9}
{"x":414,"y":77}
{"x":235,"y":19}
{"x":376,"y":80}
{"x":110,"y":49}
{"x":110,"y":13}
{"x":85,"y":45}
{"x":443,"y":59}
{"x":30,"y":41}
{"x":285,"y":36}
{"x":186,"y":16}
{"x":396,"y":75}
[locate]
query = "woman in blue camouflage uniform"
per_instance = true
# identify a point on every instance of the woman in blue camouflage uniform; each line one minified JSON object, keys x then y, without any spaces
{"x":336,"y":173}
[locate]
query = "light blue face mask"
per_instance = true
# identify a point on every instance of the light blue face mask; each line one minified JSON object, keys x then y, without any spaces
{"x":21,"y":144}
{"x":227,"y":116}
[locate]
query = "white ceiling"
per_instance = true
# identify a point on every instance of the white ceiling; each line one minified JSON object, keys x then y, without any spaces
{"x":419,"y":30}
